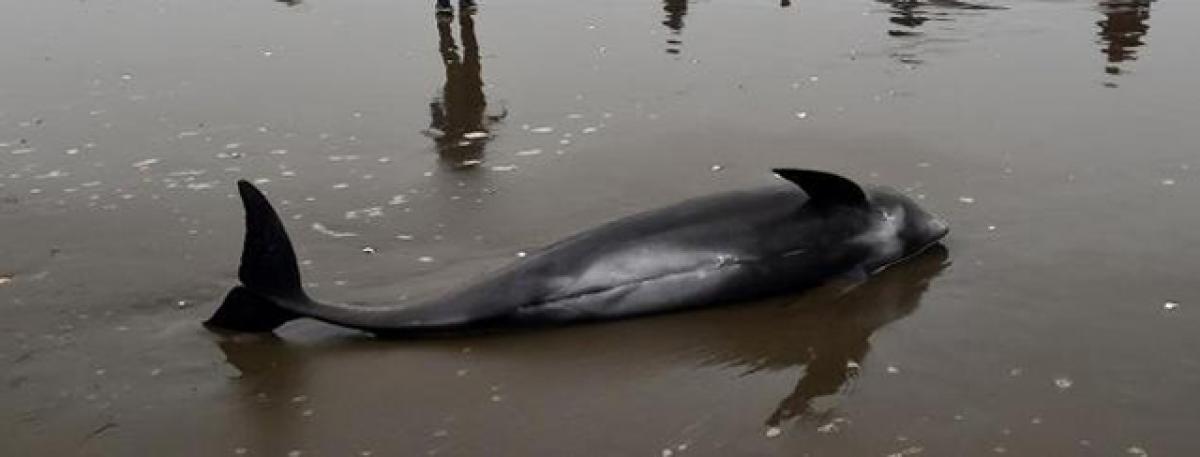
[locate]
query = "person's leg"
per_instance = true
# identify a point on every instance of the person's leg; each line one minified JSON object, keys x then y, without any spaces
{"x":466,"y":5}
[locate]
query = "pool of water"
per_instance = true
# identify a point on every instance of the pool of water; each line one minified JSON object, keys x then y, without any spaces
{"x":1058,"y":138}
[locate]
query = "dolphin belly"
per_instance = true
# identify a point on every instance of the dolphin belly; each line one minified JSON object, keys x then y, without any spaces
{"x":654,"y":278}
{"x":668,"y":291}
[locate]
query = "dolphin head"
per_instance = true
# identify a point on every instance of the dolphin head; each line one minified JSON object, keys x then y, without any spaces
{"x":904,"y":222}
{"x":895,"y":227}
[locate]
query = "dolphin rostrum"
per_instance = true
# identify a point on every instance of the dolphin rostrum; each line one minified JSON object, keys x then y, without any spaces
{"x":721,"y":248}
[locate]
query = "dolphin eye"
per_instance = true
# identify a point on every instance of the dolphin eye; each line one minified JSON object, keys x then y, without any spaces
{"x":893,"y":216}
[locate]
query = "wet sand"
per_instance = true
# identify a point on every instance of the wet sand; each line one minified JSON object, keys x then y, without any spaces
{"x":1058,"y":138}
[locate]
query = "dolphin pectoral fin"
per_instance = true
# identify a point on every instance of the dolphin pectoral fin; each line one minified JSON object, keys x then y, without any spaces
{"x":825,"y":189}
{"x":855,"y":275}
{"x":245,"y":311}
{"x":849,"y":280}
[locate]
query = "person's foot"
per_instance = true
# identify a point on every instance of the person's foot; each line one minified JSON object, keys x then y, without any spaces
{"x":443,"y":6}
{"x":467,"y":6}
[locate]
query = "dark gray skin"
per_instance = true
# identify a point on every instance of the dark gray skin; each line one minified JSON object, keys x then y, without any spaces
{"x":716,"y":249}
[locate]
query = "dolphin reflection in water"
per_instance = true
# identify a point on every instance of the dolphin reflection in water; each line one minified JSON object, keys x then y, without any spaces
{"x":825,"y":333}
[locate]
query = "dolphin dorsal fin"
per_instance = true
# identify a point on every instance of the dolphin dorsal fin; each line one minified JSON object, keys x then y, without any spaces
{"x":825,"y":189}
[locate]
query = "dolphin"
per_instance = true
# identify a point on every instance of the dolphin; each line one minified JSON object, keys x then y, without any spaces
{"x":722,"y":248}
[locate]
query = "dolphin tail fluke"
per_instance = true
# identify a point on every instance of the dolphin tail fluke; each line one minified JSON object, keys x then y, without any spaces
{"x":269,"y":272}
{"x":245,"y":311}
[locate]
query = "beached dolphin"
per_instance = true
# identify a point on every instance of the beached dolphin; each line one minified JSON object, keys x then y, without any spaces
{"x":721,"y":248}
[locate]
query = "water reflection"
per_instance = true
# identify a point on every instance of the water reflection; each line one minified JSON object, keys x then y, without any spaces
{"x":460,"y":124}
{"x":825,"y":333}
{"x":1122,"y":30}
{"x":908,"y":16}
{"x":829,"y":336}
{"x":275,"y":387}
{"x":676,"y":10}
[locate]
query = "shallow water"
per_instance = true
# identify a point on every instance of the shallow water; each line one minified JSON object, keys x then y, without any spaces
{"x":1058,"y":137}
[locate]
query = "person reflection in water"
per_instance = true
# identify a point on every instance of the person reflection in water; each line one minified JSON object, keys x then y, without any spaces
{"x":676,"y":10}
{"x":907,"y":18}
{"x":464,"y":6}
{"x":912,"y":14}
{"x":459,"y":122}
{"x":1122,"y":30}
